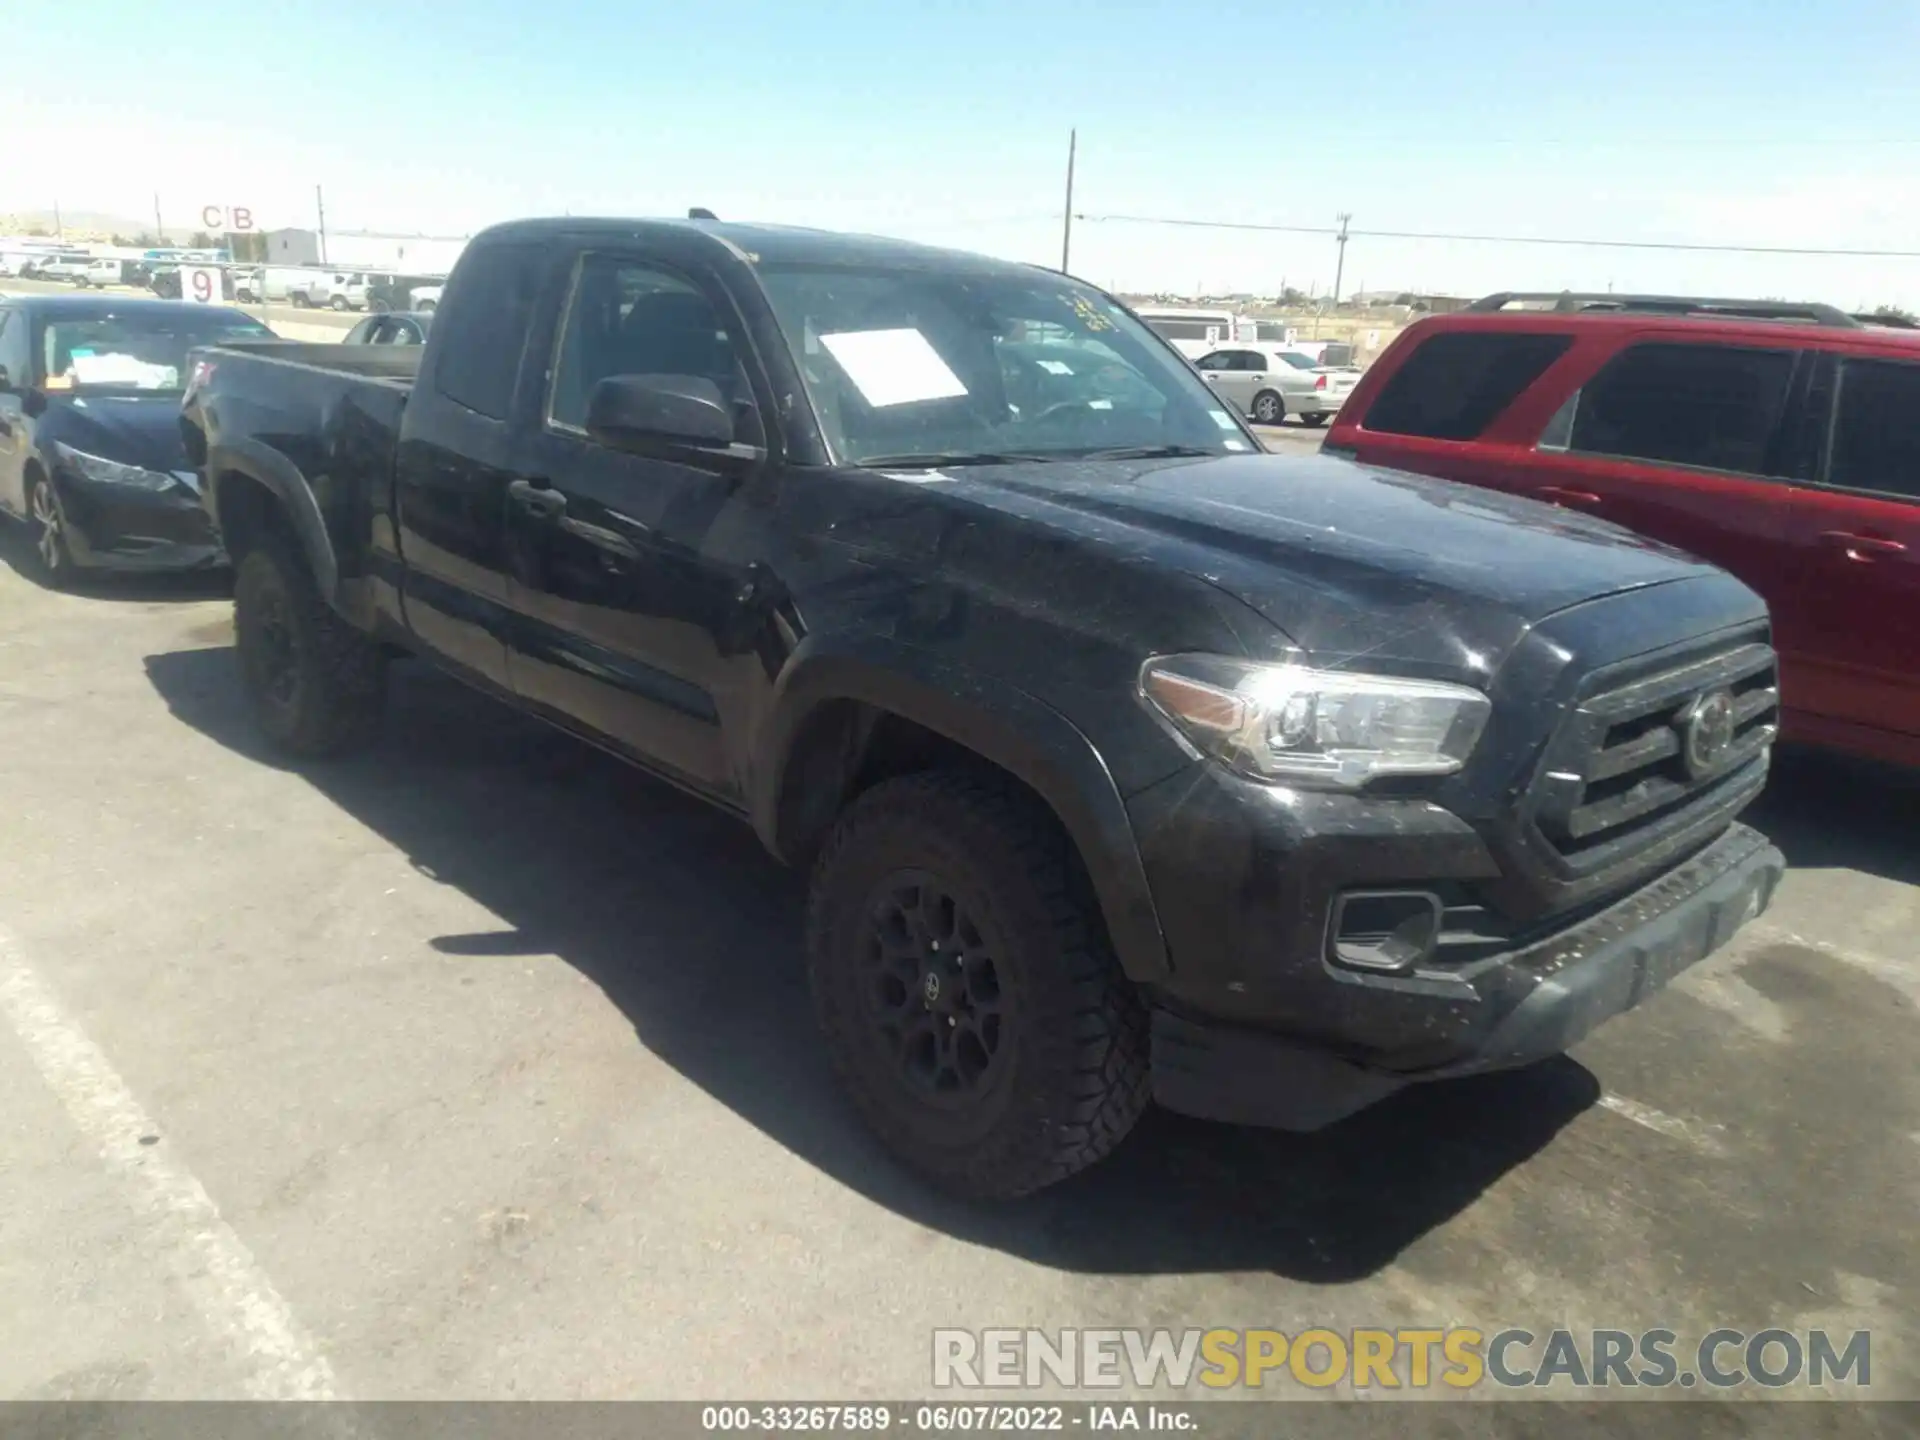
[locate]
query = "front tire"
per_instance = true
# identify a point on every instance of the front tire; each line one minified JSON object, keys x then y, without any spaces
{"x":52,"y":557}
{"x":1315,"y":420}
{"x":339,"y":302}
{"x":316,"y":685}
{"x":1269,"y":408}
{"x":972,"y":1008}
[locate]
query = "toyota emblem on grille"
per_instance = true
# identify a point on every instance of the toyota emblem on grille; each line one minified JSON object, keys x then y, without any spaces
{"x":1706,"y":732}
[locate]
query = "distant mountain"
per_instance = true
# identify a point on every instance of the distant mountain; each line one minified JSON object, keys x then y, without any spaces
{"x":85,"y":225}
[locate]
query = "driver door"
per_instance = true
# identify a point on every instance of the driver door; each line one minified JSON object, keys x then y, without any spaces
{"x":626,"y":588}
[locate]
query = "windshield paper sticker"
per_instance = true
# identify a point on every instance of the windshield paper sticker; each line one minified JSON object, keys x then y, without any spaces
{"x":893,"y":367}
{"x":1223,"y":420}
{"x":110,"y":369}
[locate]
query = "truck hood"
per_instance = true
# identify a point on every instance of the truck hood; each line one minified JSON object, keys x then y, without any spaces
{"x":1348,"y":560}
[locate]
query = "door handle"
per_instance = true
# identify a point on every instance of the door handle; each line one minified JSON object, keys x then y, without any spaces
{"x":1582,"y":499}
{"x":541,"y":501}
{"x":1861,"y":547}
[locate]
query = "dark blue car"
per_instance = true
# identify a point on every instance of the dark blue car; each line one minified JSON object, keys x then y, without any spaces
{"x":91,"y":459}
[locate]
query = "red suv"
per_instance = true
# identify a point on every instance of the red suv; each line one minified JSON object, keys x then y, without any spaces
{"x":1779,"y":441}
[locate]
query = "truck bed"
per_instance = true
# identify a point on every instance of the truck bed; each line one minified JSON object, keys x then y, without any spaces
{"x":322,"y":421}
{"x":387,"y":364}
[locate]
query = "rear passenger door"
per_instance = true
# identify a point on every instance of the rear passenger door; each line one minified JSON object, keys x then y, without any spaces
{"x":1230,"y":376}
{"x":1855,"y":532}
{"x":1684,"y":442}
{"x":458,"y":453}
{"x":1237,"y":377}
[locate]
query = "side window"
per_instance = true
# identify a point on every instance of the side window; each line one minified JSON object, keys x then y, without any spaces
{"x":1218,"y":360}
{"x":478,"y":358}
{"x":1711,"y":406}
{"x":628,"y":317}
{"x":1876,"y":434}
{"x":1456,"y":383}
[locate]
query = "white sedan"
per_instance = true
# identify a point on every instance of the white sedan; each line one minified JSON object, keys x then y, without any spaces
{"x":1267,"y":385}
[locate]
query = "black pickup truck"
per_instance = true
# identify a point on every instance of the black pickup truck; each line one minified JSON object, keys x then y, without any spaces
{"x":1130,"y":762}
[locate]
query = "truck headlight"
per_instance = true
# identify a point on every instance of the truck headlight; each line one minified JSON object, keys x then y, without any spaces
{"x":111,"y":472}
{"x":1326,"y":729}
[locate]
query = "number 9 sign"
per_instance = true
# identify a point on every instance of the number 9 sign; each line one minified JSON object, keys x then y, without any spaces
{"x":200,"y":284}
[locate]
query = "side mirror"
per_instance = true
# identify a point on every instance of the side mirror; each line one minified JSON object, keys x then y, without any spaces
{"x":6,"y":385}
{"x":671,"y":417}
{"x":683,"y":408}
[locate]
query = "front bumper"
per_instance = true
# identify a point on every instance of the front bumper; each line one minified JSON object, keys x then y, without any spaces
{"x":123,"y":527}
{"x":1529,"y":1004}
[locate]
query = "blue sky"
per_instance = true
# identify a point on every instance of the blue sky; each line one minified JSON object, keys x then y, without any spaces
{"x":1759,"y":122}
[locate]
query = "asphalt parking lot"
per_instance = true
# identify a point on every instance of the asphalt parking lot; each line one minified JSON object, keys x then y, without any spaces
{"x":480,"y":1066}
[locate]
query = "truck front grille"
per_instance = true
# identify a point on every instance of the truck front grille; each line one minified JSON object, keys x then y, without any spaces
{"x":1659,"y":754}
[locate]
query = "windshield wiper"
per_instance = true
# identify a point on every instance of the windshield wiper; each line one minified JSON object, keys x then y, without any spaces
{"x":932,"y":459}
{"x":1149,"y":452}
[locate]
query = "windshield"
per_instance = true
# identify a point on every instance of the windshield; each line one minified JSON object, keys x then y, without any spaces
{"x":134,"y":351}
{"x":1297,"y":360}
{"x":906,"y":363}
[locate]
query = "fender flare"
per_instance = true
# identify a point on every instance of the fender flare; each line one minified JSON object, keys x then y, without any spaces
{"x":1002,"y":724}
{"x":281,"y":479}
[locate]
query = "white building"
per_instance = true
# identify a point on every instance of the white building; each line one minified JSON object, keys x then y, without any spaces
{"x":353,"y":250}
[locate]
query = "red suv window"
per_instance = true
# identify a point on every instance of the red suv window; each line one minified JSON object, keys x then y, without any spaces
{"x":1713,"y":407}
{"x":1876,"y":444}
{"x":1453,"y":386}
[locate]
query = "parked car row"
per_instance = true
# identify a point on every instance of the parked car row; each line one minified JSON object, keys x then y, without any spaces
{"x":1267,"y":385}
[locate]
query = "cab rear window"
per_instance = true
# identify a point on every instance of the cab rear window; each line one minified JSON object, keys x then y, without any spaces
{"x":1455,"y":383}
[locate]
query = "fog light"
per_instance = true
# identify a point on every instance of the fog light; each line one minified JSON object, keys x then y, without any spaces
{"x":1384,"y":929}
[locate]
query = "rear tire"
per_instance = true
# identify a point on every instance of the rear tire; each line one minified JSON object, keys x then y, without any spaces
{"x":316,"y":685}
{"x":1269,"y":408}
{"x":427,"y":307}
{"x":1040,"y":1066}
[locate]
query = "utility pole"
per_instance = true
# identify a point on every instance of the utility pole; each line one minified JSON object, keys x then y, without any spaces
{"x":1066,"y":219}
{"x":159,"y":230}
{"x":59,"y":229}
{"x":320,"y":204}
{"x":1340,"y":265}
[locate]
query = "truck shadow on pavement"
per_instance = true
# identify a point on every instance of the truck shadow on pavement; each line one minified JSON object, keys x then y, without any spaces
{"x":675,"y":912}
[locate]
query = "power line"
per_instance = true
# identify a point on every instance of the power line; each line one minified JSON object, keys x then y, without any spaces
{"x":1504,"y":239}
